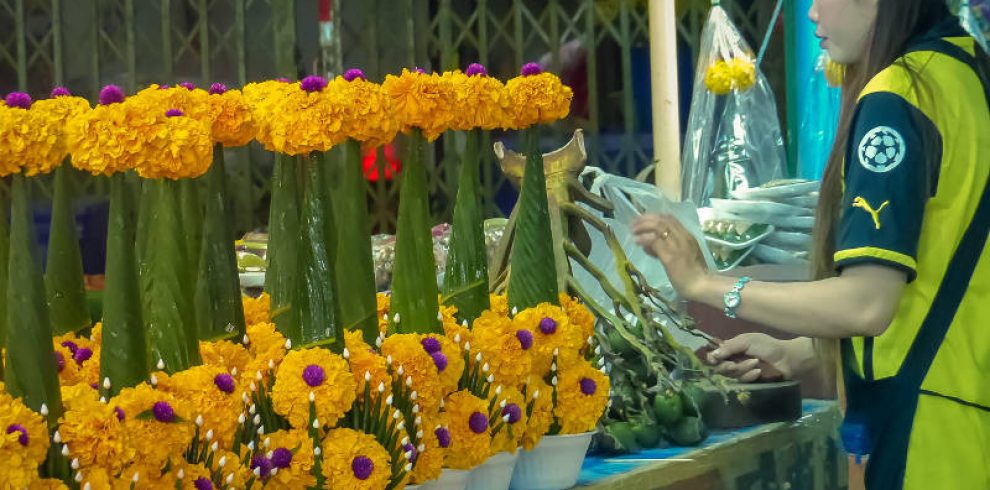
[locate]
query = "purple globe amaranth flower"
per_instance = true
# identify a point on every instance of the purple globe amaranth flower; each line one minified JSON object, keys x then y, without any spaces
{"x":354,"y":74}
{"x":588,"y":386}
{"x":23,"y":438}
{"x":431,"y":345}
{"x":203,"y":483}
{"x":476,"y":69}
{"x":282,"y":79}
{"x":59,"y":361}
{"x":313,"y":375}
{"x":174,"y":113}
{"x":419,"y":70}
{"x":224,"y":382}
{"x":409,"y":448}
{"x":217,"y":89}
{"x":281,"y":458}
{"x":313,"y":83}
{"x":94,"y":386}
{"x":111,"y":94}
{"x":187,"y":85}
{"x":478,"y":422}
{"x":440,"y":360}
{"x":513,"y":411}
{"x":263,"y":464}
{"x":443,"y":437}
{"x":163,"y":412}
{"x":548,"y":326}
{"x":530,"y":69}
{"x":164,"y":86}
{"x":18,"y":99}
{"x":119,"y":412}
{"x":60,"y":92}
{"x":82,"y":355}
{"x":525,"y":338}
{"x":362,"y":466}
{"x":68,"y":344}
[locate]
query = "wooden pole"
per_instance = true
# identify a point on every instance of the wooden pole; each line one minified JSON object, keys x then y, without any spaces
{"x":666,"y":112}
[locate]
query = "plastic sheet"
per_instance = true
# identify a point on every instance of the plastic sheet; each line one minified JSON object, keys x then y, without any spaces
{"x":974,"y":15}
{"x":733,"y":140}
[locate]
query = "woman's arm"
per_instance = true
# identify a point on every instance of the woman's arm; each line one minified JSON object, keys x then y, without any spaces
{"x":860,"y":302}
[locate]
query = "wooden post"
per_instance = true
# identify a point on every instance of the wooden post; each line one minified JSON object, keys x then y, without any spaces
{"x":666,"y":112}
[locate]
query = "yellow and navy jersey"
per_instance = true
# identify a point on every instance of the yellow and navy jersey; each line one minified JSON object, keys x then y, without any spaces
{"x":917,"y":164}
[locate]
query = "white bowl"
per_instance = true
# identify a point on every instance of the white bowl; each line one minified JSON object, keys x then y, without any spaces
{"x":449,"y":480}
{"x":554,"y":464}
{"x":495,"y":473}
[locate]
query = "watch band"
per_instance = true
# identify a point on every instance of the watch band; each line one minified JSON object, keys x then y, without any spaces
{"x":733,"y":298}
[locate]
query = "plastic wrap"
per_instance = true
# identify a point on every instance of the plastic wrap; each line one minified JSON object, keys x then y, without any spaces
{"x":733,"y":138}
{"x":974,"y":15}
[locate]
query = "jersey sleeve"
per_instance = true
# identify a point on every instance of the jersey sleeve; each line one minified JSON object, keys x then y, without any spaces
{"x":889,"y":173}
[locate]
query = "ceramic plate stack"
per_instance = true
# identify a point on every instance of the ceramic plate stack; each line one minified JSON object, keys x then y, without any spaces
{"x":787,"y":206}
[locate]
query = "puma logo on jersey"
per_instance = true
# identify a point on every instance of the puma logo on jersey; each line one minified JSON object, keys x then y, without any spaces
{"x":863,"y":204}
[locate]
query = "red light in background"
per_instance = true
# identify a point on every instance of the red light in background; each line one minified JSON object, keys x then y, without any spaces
{"x":392,"y":163}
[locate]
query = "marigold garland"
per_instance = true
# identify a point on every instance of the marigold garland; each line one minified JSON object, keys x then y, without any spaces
{"x":29,"y":139}
{"x":536,"y":98}
{"x":421,"y":100}
{"x":180,"y":147}
{"x":230,"y":116}
{"x":582,"y":397}
{"x":317,"y":371}
{"x":355,"y":460}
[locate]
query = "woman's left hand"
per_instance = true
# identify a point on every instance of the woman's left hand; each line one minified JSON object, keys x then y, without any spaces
{"x":665,"y":238}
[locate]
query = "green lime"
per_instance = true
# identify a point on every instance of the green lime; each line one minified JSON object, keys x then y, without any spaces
{"x":619,"y":344}
{"x":668,"y":407}
{"x":624,"y":436}
{"x":647,"y":434}
{"x":693,"y":398}
{"x":690,"y":431}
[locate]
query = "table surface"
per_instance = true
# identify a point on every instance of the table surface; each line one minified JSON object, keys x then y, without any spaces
{"x":654,"y":468}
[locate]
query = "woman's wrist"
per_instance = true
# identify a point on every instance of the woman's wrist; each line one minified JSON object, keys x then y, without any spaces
{"x":799,"y":357}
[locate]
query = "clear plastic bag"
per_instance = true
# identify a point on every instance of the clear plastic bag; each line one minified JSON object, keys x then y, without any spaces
{"x":974,"y":15}
{"x":733,"y":138}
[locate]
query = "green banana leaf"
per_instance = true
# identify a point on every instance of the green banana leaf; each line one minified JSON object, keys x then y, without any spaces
{"x":168,"y":300}
{"x":532,"y":273}
{"x":316,"y":294}
{"x":4,"y":252}
{"x":414,"y":275}
{"x":64,"y":283}
{"x":283,"y":244}
{"x":466,"y":276}
{"x":31,"y":370}
{"x":192,"y":223}
{"x":144,"y":190}
{"x":219,"y":311}
{"x":124,"y":351}
{"x":358,"y":307}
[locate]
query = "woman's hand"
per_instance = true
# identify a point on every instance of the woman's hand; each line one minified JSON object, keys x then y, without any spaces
{"x":790,"y":357}
{"x":663,"y":237}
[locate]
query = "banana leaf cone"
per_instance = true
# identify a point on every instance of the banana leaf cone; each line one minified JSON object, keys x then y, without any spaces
{"x":170,"y":319}
{"x":316,"y":294}
{"x":532,"y":270}
{"x":358,"y":305}
{"x":192,"y":223}
{"x":4,"y":256}
{"x":31,"y":370}
{"x":414,"y":275}
{"x":466,"y":275}
{"x":283,"y":244}
{"x":64,"y":284}
{"x":123,"y":353}
{"x":219,"y":311}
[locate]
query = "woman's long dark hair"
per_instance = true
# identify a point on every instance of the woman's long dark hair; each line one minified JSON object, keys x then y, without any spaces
{"x":898,"y":22}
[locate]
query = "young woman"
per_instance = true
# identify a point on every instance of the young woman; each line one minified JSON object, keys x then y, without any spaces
{"x":902,"y":263}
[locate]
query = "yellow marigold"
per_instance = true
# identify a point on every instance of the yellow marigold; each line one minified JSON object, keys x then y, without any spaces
{"x":369,"y":110}
{"x":582,"y":397}
{"x":232,"y":123}
{"x":452,"y":362}
{"x":96,"y":334}
{"x":78,"y":359}
{"x":355,"y":460}
{"x":580,"y":316}
{"x":428,"y":461}
{"x":384,"y":302}
{"x":230,"y":466}
{"x":718,"y":78}
{"x":365,"y":361}
{"x":482,"y":101}
{"x":469,"y":432}
{"x":453,"y":330}
{"x":511,"y":404}
{"x":420,"y":100}
{"x":506,"y":348}
{"x":181,"y":147}
{"x":49,"y":484}
{"x":257,"y":310}
{"x":60,"y":111}
{"x":157,"y":425}
{"x":78,"y":395}
{"x":743,"y":73}
{"x":539,"y":395}
{"x":23,"y":442}
{"x":291,"y":452}
{"x":226,"y":355}
{"x":552,"y":331}
{"x":95,"y":433}
{"x":316,"y":371}
{"x":306,"y":118}
{"x":105,"y":141}
{"x":267,"y":346}
{"x":536,"y":98}
{"x":185,"y":97}
{"x":499,"y":304}
{"x":212,"y":393}
{"x":29,"y":141}
{"x":194,"y":477}
{"x":263,"y":98}
{"x":409,"y":355}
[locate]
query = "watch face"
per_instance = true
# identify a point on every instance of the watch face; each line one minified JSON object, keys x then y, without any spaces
{"x":732,"y":299}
